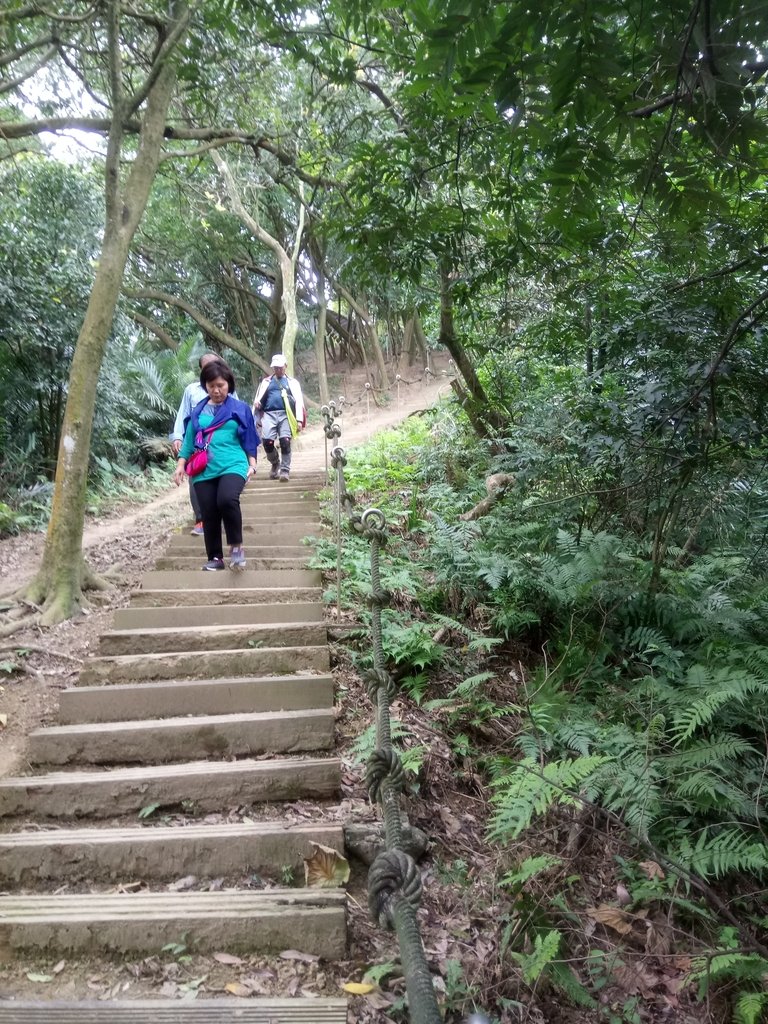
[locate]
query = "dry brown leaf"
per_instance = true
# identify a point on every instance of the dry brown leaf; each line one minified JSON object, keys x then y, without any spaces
{"x":622,"y":894}
{"x":326,"y":868}
{"x":452,"y":824}
{"x":227,"y":958}
{"x":651,"y":869}
{"x":658,"y":938}
{"x":635,"y":979}
{"x":236,"y":988}
{"x":294,"y":954}
{"x":183,"y":884}
{"x":379,"y":1001}
{"x":612,"y":917}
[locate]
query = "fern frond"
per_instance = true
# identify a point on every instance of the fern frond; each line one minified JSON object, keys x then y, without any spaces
{"x":529,"y":791}
{"x":731,"y":849}
{"x":724,"y":686}
{"x":708,"y":753}
{"x":749,"y":1007}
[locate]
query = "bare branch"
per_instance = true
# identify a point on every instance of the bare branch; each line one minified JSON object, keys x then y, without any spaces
{"x":223,"y":337}
{"x":155,"y":328}
{"x":731,"y":268}
{"x":13,"y":83}
{"x":199,"y":150}
{"x":22,"y":51}
{"x":179,"y":26}
{"x":377,"y":91}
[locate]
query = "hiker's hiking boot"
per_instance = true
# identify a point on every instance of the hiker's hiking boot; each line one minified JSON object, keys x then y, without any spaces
{"x":197,"y":530}
{"x":284,"y":475}
{"x":215,"y":565}
{"x":273,"y":473}
{"x":237,"y":559}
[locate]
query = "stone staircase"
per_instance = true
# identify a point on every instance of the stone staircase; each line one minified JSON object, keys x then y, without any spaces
{"x":212,"y":691}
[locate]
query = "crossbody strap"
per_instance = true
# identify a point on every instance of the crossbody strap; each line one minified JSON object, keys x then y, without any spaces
{"x":207,"y":430}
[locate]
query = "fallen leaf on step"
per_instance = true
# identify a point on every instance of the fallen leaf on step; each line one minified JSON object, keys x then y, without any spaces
{"x":356,"y":988}
{"x":59,"y":967}
{"x":39,"y":977}
{"x":3,"y":719}
{"x":295,"y":954}
{"x":325,"y":868}
{"x":227,"y":958}
{"x":236,"y":988}
{"x":183,"y":883}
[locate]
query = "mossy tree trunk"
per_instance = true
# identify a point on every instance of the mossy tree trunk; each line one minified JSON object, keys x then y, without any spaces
{"x":59,"y":583}
{"x":485,"y":419}
{"x":286,"y":261}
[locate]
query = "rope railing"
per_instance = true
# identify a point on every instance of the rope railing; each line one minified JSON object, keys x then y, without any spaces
{"x":394,"y":879}
{"x":369,"y":389}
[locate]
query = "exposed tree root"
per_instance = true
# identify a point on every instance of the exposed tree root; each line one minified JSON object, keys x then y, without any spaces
{"x":13,"y":627}
{"x":40,"y":650}
{"x":93,"y":581}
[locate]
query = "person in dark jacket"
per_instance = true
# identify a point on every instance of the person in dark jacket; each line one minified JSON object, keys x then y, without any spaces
{"x":226,"y":424}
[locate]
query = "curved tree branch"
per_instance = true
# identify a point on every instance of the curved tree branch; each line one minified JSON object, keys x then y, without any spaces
{"x":222,"y":336}
{"x":155,"y":328}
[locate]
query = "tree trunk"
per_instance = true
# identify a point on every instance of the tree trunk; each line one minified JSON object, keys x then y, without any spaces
{"x":59,"y":582}
{"x":409,"y":341}
{"x":370,"y":332}
{"x":276,"y":320}
{"x":322,"y":372}
{"x":482,"y":415}
{"x":286,"y":263}
{"x":421,"y":338}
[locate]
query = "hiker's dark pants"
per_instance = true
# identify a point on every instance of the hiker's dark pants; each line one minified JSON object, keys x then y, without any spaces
{"x":194,"y":501}
{"x":220,"y":502}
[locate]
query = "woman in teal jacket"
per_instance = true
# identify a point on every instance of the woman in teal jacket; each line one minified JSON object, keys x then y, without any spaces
{"x":232,"y":446}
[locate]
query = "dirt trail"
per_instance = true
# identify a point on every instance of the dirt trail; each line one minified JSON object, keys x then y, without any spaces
{"x":20,"y":556}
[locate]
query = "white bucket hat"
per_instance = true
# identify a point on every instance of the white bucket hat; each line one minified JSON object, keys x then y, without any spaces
{"x":278,"y":360}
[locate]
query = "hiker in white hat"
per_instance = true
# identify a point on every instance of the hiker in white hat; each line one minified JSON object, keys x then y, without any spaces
{"x":279,"y":407}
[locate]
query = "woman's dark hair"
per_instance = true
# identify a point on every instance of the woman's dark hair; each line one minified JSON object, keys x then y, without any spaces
{"x":218,"y":368}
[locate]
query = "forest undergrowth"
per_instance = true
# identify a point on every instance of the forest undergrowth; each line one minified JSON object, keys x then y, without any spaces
{"x":582,"y":717}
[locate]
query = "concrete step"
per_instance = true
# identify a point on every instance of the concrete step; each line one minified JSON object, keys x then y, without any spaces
{"x":170,"y":596}
{"x":209,"y":785}
{"x":299,"y":481}
{"x":290,"y":492}
{"x":167,"y":1011}
{"x":256,"y":518}
{"x":132,"y":702}
{"x":264,"y":531}
{"x":282,"y":502}
{"x":197,"y":580}
{"x":160,"y":852}
{"x":196,"y":664}
{"x":195,"y":546}
{"x":191,"y":562}
{"x":206,"y":637}
{"x":155,"y":741}
{"x":310,"y":920}
{"x":217,"y":615}
{"x":268,"y":530}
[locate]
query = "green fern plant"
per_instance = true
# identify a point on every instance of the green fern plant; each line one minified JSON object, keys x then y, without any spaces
{"x":525,"y":791}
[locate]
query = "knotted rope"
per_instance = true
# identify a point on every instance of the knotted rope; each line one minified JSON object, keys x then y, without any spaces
{"x":394,"y":880}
